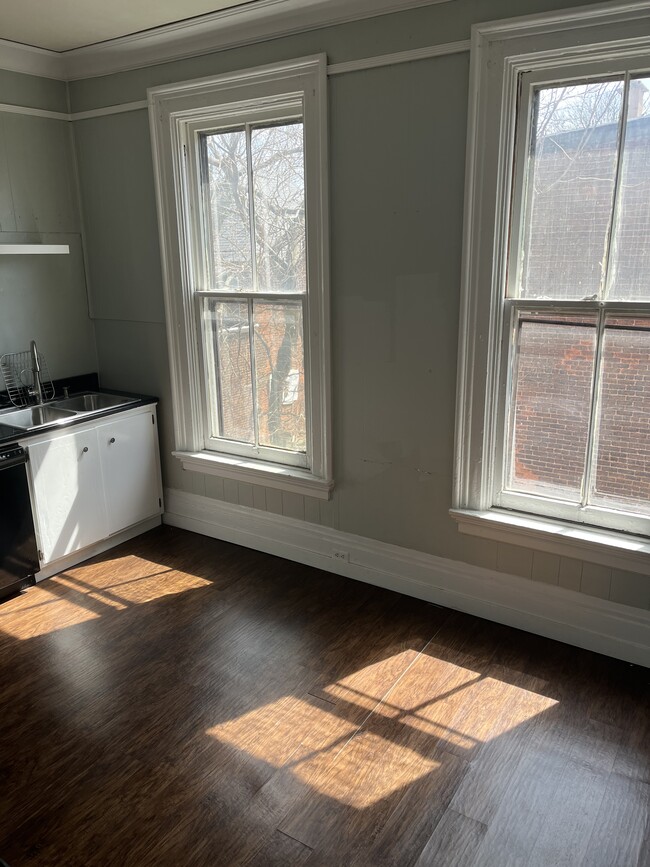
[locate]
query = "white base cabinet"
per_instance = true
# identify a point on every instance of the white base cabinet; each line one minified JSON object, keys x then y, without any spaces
{"x":93,"y":480}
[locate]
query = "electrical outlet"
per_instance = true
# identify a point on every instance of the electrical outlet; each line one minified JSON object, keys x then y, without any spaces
{"x":341,"y":555}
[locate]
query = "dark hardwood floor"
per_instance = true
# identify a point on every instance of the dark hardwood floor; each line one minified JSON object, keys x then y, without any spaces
{"x":182,"y":701}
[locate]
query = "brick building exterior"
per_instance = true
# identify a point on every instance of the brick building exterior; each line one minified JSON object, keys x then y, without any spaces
{"x":574,"y":187}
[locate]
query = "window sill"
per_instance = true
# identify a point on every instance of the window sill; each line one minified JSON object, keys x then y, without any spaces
{"x":257,"y":473}
{"x":608,"y":548}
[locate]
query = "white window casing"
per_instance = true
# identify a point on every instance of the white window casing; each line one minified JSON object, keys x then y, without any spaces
{"x":508,"y":58}
{"x":179,"y":113}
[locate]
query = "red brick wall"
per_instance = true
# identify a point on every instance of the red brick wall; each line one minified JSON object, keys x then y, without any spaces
{"x":571,"y":204}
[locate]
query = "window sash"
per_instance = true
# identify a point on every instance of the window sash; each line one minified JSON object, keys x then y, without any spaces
{"x":210,"y":375}
{"x":288,"y":110}
{"x":511,"y":304}
{"x":584,"y":512}
{"x":283,"y":90}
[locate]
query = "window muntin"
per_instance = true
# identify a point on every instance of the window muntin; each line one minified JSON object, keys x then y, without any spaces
{"x":254,"y":251}
{"x":576,"y":279}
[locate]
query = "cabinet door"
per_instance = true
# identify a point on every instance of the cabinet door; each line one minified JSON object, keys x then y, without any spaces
{"x":68,"y":497}
{"x":129,"y":457}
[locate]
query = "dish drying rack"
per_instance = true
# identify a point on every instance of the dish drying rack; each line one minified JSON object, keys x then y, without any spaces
{"x":17,"y":370}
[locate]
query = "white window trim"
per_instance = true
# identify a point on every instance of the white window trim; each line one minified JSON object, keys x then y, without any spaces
{"x":500,"y":52}
{"x":172,"y":110}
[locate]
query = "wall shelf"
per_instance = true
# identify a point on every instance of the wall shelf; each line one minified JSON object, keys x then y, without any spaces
{"x":32,"y":249}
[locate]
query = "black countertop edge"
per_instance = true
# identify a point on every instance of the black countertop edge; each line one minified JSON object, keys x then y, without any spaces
{"x":9,"y":433}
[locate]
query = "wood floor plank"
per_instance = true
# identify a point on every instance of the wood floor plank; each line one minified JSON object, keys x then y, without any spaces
{"x":411,"y":824}
{"x":620,"y":833}
{"x":454,"y":842}
{"x":403,"y":748}
{"x":280,"y":851}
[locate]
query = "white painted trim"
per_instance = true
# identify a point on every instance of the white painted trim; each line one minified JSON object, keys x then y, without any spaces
{"x":375,"y":62}
{"x":282,"y":478}
{"x":500,"y":52}
{"x":122,"y":108}
{"x":32,"y":249}
{"x":16,"y":57}
{"x":608,"y":548}
{"x":411,"y":56}
{"x":566,"y":19}
{"x":110,"y":109}
{"x":227,"y":28}
{"x":175,"y":111}
{"x":34,"y":112}
{"x":264,"y":20}
{"x":98,"y":548}
{"x":207,"y":34}
{"x":584,"y":621}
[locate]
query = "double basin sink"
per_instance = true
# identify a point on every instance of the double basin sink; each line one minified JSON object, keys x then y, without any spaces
{"x":60,"y":411}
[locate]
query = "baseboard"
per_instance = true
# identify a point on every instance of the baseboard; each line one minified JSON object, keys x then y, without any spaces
{"x":574,"y":618}
{"x":98,"y":548}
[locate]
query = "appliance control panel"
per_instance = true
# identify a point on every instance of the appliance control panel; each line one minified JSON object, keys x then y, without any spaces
{"x":12,"y":453}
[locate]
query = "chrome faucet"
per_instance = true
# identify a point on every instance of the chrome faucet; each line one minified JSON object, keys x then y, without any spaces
{"x":37,"y":388}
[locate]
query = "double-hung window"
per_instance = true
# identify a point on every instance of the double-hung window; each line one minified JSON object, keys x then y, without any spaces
{"x":241,"y":181}
{"x":554,"y":392}
{"x":575,"y":383}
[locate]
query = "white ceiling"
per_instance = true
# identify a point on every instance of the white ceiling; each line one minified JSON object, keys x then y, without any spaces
{"x":61,"y":25}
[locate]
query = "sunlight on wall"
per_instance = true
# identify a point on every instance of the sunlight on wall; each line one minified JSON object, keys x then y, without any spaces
{"x":362,"y":748}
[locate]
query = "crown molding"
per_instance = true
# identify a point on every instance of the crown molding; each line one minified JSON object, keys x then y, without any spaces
{"x":227,"y":28}
{"x":15,"y":57}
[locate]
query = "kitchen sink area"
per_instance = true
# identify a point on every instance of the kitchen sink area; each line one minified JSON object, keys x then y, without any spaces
{"x":35,"y":416}
{"x":33,"y":394}
{"x":93,"y":401}
{"x":63,"y":410}
{"x":80,"y":471}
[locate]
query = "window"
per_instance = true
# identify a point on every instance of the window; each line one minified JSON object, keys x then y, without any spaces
{"x":576,"y":311}
{"x":554,"y":391}
{"x":240,"y":168}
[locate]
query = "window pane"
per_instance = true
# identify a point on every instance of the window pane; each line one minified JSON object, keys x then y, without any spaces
{"x":623,"y":452}
{"x":551,"y":403}
{"x":569,"y":189}
{"x":226,"y":342}
{"x":229,"y":239}
{"x":280,"y":375}
{"x":279,"y":202}
{"x":630,"y":267}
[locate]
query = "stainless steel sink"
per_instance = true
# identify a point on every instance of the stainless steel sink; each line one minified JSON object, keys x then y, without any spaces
{"x":35,"y":416}
{"x":60,"y":411}
{"x":93,"y":402}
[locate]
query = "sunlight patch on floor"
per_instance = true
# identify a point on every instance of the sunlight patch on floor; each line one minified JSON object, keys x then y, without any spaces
{"x":359,"y":751}
{"x":54,"y":613}
{"x":86,"y":593}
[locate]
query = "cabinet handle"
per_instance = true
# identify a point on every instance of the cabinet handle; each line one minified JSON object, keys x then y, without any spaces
{"x":85,"y":448}
{"x":112,"y":440}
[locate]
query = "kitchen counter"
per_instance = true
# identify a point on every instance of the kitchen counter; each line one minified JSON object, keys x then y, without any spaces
{"x":8,"y":433}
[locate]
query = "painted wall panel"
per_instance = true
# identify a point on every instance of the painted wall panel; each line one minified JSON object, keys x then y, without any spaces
{"x":117,"y":192}
{"x":44,"y":298}
{"x":32,"y":91}
{"x":39,"y":154}
{"x":41,"y":297}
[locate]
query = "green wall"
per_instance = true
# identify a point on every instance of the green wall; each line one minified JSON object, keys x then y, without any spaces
{"x":397,"y":152}
{"x":41,"y":297}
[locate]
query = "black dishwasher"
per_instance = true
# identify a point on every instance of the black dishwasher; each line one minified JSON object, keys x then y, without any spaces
{"x":18,"y":551}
